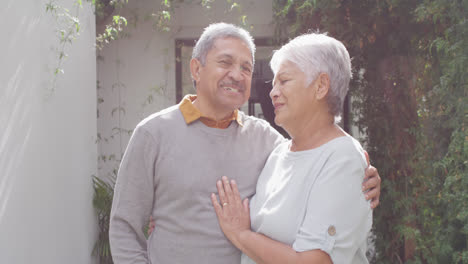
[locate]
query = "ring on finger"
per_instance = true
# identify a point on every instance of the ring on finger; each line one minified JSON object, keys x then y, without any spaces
{"x":224,"y":204}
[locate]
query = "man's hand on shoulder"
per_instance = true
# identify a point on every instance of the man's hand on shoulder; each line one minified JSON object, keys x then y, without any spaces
{"x":371,"y":184}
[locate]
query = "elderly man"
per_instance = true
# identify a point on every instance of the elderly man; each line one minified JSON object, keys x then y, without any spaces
{"x":175,"y":156}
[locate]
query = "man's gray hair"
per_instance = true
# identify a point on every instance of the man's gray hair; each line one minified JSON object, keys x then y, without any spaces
{"x":318,"y":53}
{"x":220,"y":30}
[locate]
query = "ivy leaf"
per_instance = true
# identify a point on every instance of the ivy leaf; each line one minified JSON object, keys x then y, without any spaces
{"x":116,"y":19}
{"x":120,"y":109}
{"x":234,"y":5}
{"x":166,"y":15}
{"x":58,"y":70}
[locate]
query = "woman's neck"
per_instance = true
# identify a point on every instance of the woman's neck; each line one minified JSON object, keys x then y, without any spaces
{"x":314,"y":132}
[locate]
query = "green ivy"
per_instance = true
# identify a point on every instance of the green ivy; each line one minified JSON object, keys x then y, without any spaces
{"x":67,"y":30}
{"x":410,"y":90}
{"x":102,"y":202}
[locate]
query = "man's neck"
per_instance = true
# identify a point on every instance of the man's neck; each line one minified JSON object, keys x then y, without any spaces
{"x":211,"y":112}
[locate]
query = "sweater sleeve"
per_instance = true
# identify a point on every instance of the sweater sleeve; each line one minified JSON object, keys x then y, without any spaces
{"x":272,"y":137}
{"x":133,"y":200}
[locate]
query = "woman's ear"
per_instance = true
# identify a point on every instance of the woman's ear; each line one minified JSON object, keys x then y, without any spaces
{"x":323,"y":85}
{"x":195,"y":67}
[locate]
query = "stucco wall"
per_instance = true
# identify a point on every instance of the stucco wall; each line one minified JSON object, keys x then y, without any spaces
{"x":47,"y":137}
{"x":136,"y":73}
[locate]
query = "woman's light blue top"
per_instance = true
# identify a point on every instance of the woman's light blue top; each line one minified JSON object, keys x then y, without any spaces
{"x":312,"y":199}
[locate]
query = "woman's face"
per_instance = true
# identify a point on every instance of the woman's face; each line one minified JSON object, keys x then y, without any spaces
{"x":290,"y":97}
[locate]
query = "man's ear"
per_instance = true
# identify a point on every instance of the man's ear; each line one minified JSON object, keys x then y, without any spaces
{"x":323,"y":85}
{"x":195,"y":67}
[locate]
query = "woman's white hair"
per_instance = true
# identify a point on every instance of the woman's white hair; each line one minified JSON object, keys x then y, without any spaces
{"x":220,"y":30}
{"x":318,"y":53}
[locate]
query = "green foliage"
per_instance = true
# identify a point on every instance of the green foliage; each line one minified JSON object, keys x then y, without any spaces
{"x":102,"y":202}
{"x":446,"y":109}
{"x":410,"y":62}
{"x":114,"y":28}
{"x":111,"y":32}
{"x":67,"y":30}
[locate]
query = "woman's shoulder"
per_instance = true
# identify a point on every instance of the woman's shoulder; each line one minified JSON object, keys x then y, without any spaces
{"x":282,"y":147}
{"x":345,"y":144}
{"x":346,"y":148}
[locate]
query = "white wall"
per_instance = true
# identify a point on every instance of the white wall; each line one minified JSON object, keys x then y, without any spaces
{"x":47,"y":138}
{"x":142,"y":65}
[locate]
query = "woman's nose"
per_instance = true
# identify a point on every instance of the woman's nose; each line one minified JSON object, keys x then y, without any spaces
{"x":274,"y":92}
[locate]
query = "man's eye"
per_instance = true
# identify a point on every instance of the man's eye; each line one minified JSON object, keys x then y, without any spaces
{"x":283,"y":81}
{"x":225,"y":62}
{"x":247,"y":69}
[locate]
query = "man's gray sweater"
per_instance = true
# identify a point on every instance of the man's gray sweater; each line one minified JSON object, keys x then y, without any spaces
{"x":168,"y":171}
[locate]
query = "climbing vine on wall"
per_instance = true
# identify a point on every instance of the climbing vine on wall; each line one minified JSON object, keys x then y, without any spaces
{"x":67,"y":30}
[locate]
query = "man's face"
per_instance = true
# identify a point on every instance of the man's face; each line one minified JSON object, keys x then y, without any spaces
{"x":223,"y":83}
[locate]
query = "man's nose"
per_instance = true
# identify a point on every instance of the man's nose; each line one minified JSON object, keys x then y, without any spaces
{"x":236,"y":73}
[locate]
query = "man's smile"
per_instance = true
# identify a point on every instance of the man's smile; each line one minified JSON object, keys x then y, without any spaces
{"x":232,"y":87}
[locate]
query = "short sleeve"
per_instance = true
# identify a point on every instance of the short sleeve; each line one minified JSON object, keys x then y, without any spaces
{"x":338,"y":218}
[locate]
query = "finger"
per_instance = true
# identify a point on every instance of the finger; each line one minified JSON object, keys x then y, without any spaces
{"x":370,"y":183}
{"x":367,"y":158}
{"x":372,"y":194}
{"x":235,"y":192}
{"x":370,"y":172}
{"x":246,"y":205}
{"x":216,"y":205}
{"x":228,"y":190}
{"x":222,"y":194}
{"x":375,"y":203}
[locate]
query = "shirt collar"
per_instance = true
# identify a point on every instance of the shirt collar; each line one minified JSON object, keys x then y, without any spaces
{"x":191,"y":113}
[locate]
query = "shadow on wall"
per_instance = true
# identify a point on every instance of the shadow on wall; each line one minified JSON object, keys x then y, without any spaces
{"x":15,"y":125}
{"x":16,"y":93}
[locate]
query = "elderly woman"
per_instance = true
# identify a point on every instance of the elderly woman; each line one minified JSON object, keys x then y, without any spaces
{"x":308,"y":206}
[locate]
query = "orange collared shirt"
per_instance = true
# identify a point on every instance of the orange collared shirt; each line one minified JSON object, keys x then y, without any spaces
{"x":191,"y":114}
